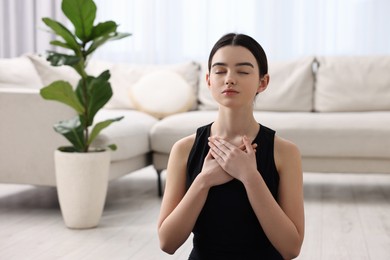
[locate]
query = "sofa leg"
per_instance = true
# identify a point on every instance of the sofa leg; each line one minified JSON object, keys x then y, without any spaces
{"x":159,"y":183}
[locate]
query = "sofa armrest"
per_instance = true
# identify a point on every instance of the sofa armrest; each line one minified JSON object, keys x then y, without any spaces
{"x":27,"y":138}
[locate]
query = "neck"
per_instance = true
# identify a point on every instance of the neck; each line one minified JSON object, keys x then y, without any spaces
{"x":232,"y":124}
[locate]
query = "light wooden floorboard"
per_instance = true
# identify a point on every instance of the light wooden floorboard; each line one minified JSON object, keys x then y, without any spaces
{"x":347,"y":217}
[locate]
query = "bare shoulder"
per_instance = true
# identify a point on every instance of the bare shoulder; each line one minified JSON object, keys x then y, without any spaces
{"x":184,"y":145}
{"x":179,"y":153}
{"x":286,"y":154}
{"x":285,"y":146}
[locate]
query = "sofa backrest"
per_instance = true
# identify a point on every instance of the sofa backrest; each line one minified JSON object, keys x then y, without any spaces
{"x":123,"y":76}
{"x":290,"y":88}
{"x":336,"y":84}
{"x":347,"y":84}
{"x":19,"y":72}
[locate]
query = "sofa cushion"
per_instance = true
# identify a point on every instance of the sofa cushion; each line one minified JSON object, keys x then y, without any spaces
{"x":290,"y":88}
{"x":352,"y":135}
{"x":131,"y":134}
{"x":123,"y":76}
{"x":172,"y":128}
{"x":162,"y":93}
{"x":19,"y":73}
{"x":126,"y":75}
{"x":353,"y":84}
{"x":316,"y":134}
{"x":48,"y":73}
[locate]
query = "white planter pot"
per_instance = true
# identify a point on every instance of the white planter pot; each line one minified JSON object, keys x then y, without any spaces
{"x":82,"y":180}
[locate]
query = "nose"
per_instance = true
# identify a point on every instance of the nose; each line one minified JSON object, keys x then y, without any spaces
{"x":230,"y":81}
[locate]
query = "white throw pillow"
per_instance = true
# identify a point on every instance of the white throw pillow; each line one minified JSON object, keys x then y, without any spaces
{"x":124,"y":76}
{"x":49,"y":73}
{"x":19,"y":73}
{"x":353,"y":84}
{"x":290,"y":88}
{"x":162,"y":93}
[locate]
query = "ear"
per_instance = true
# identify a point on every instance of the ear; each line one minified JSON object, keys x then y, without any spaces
{"x":263,"y":84}
{"x":208,"y":79}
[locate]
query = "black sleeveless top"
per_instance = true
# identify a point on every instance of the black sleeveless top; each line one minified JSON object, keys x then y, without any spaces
{"x":227,"y":227}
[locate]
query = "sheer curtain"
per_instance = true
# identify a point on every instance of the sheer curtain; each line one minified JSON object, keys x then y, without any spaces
{"x":167,"y":31}
{"x":170,"y":31}
{"x":21,"y":27}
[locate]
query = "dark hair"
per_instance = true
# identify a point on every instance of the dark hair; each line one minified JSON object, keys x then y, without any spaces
{"x":234,"y":39}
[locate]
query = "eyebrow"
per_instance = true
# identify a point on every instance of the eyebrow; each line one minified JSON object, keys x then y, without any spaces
{"x":237,"y":65}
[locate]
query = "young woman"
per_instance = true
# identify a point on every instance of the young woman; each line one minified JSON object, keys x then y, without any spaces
{"x":234,"y":184}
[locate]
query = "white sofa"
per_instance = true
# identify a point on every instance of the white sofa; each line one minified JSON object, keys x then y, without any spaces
{"x":27,"y":138}
{"x":336,"y":109}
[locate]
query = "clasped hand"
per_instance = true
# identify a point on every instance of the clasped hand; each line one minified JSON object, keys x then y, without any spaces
{"x":227,"y":161}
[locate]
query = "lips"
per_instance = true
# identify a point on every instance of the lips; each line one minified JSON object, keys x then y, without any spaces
{"x":230,"y":92}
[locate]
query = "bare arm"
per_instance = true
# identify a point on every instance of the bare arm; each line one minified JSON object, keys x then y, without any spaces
{"x":281,"y":220}
{"x":180,"y":209}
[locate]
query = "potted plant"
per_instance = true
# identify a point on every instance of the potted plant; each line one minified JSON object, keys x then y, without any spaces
{"x":81,"y":169}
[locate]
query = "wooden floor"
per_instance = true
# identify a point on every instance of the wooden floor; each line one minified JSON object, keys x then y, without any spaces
{"x":347,"y":217}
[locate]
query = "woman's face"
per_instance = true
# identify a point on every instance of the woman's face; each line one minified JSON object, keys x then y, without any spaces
{"x":234,"y":77}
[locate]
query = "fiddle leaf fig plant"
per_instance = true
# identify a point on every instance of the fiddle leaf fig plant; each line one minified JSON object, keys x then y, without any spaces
{"x":91,"y":93}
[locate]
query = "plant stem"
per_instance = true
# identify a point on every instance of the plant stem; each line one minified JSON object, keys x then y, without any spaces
{"x":86,"y":100}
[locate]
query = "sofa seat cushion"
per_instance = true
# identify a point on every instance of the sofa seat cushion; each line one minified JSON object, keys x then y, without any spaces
{"x":172,"y":128}
{"x":353,"y":135}
{"x":349,"y":134}
{"x":131,"y":134}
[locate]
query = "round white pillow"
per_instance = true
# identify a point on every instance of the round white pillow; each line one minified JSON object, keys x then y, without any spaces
{"x":162,"y":93}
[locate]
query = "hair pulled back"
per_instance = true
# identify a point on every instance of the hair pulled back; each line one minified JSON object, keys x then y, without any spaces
{"x":234,"y":39}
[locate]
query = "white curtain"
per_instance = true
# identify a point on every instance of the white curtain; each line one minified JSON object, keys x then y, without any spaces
{"x":167,"y":31}
{"x":170,"y":31}
{"x":21,"y":27}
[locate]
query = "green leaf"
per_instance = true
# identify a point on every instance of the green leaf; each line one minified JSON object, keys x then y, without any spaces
{"x":72,"y":130}
{"x":61,"y":44}
{"x":67,"y":149}
{"x":103,"y":28}
{"x":62,"y":31}
{"x":99,"y":127}
{"x":59,"y":59}
{"x":102,"y":40}
{"x":98,"y":91}
{"x":62,"y":91}
{"x":113,"y":147}
{"x":82,"y":14}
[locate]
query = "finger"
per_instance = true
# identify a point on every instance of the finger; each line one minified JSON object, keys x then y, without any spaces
{"x":216,"y":156}
{"x":254,"y":145}
{"x":214,"y":150}
{"x":248,"y":145}
{"x":224,"y":144}
{"x":218,"y":147}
